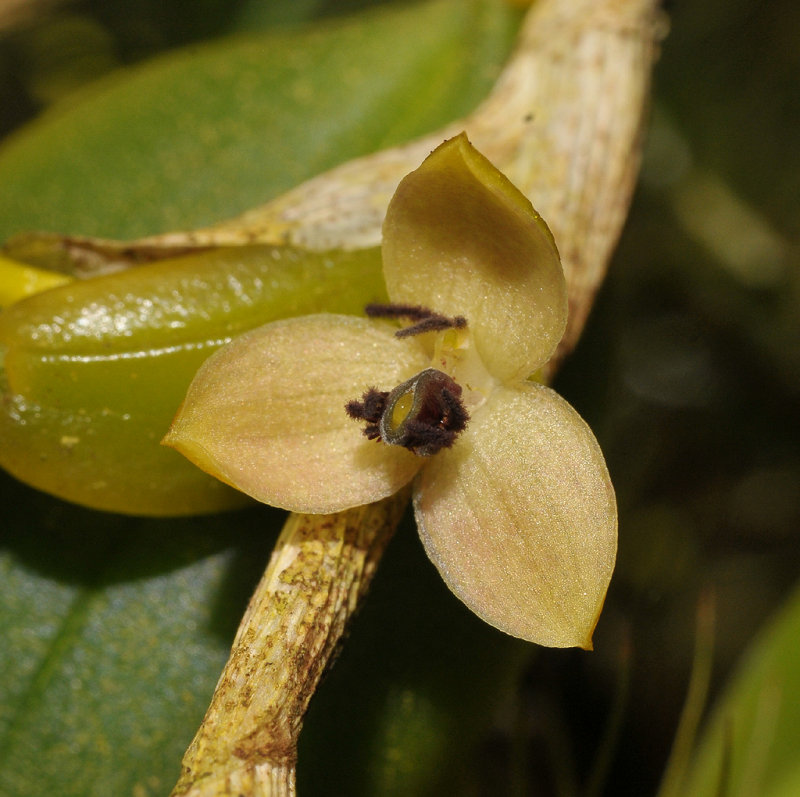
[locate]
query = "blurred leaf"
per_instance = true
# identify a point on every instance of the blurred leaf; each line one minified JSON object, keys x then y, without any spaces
{"x":115,"y":629}
{"x":256,"y":14}
{"x":203,"y":134}
{"x":113,"y":638}
{"x":750,"y":745}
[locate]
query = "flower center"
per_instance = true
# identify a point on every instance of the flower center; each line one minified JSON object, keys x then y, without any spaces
{"x":425,"y":413}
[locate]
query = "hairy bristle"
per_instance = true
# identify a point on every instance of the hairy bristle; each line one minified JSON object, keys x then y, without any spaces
{"x":425,"y":320}
{"x":412,"y":311}
{"x":434,"y":323}
{"x":427,"y":440}
{"x":370,"y":408}
{"x":456,"y":414}
{"x":371,"y":431}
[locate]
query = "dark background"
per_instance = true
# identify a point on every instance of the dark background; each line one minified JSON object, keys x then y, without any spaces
{"x":689,"y":370}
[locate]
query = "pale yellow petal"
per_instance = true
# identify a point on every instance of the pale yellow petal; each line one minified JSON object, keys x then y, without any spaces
{"x":520,"y":518}
{"x":460,"y":239}
{"x":266,"y":413}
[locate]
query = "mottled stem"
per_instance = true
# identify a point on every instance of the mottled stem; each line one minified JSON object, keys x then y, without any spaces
{"x":319,"y":570}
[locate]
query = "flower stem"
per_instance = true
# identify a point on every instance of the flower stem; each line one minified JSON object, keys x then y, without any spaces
{"x":319,"y":570}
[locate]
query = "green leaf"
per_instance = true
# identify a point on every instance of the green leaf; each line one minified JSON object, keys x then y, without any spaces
{"x":751,"y":742}
{"x":87,"y":398}
{"x":111,"y":645}
{"x":115,"y":629}
{"x":203,"y":134}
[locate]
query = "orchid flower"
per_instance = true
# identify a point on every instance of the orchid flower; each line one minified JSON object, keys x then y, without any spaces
{"x":321,"y":413}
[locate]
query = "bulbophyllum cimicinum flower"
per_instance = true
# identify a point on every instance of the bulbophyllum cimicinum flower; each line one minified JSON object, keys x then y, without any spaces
{"x":320,"y":413}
